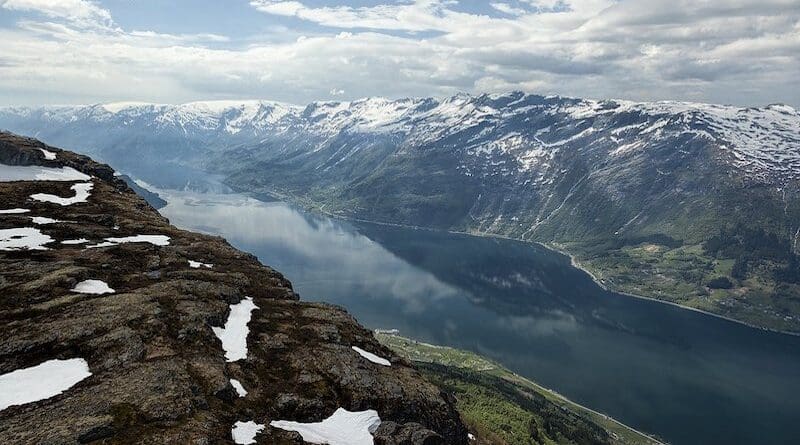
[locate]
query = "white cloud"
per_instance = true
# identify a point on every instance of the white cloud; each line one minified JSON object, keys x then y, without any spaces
{"x":278,"y":7}
{"x":419,"y":15}
{"x":507,"y":9}
{"x":79,"y":12}
{"x":737,"y":51}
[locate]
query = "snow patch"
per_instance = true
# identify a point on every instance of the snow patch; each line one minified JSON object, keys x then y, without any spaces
{"x":75,"y":241}
{"x":198,"y":264}
{"x":372,"y":357}
{"x":13,"y":211}
{"x":116,"y":107}
{"x":244,"y":433}
{"x":37,"y":173}
{"x":42,"y":381}
{"x":237,"y":385}
{"x":43,"y":220}
{"x":234,"y":334}
{"x":49,"y":155}
{"x":23,"y":238}
{"x":94,"y":287}
{"x":341,"y":428}
{"x":156,"y":240}
{"x":82,"y":192}
{"x":627,"y":148}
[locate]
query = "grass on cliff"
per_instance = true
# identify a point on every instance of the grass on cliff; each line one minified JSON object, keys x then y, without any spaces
{"x":502,"y":408}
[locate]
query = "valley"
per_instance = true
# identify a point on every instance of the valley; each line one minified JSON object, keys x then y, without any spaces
{"x":400,"y":222}
{"x":659,"y":200}
{"x":682,"y":375}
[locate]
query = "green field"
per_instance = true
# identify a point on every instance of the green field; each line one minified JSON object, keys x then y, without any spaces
{"x":684,"y":275}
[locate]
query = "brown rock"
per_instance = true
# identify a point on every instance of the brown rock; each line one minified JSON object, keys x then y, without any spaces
{"x":159,"y":373}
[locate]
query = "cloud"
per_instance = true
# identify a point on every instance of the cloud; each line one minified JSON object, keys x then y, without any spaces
{"x":83,"y":13}
{"x":419,"y":15}
{"x":507,"y":9}
{"x":731,"y":51}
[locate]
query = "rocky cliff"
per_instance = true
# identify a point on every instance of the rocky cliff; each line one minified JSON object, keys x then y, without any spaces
{"x":153,"y":317}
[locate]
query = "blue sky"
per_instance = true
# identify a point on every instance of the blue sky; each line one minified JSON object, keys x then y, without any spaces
{"x":744,"y":52}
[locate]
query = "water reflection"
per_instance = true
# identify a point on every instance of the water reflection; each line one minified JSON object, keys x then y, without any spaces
{"x":323,"y":257}
{"x":690,"y":378}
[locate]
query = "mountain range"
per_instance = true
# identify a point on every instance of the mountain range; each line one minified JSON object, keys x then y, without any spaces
{"x":694,"y":204}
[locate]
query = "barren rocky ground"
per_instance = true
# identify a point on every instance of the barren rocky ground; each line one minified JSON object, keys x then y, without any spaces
{"x":158,"y":372}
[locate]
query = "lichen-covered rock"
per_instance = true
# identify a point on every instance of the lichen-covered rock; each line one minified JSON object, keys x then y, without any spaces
{"x":390,"y":433}
{"x":159,"y":374}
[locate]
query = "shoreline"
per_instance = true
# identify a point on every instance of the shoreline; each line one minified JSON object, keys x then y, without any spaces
{"x":607,"y":417}
{"x":573,"y":261}
{"x":530,"y":382}
{"x":576,"y":264}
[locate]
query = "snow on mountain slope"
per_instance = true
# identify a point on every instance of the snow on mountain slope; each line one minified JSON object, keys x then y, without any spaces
{"x":760,"y":142}
{"x":500,"y":133}
{"x":224,"y":117}
{"x":228,"y":116}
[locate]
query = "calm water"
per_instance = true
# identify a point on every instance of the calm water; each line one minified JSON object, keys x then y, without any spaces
{"x":690,"y":378}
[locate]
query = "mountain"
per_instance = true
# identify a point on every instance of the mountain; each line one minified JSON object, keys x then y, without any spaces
{"x":117,"y":327}
{"x":695,"y":204}
{"x":166,"y":141}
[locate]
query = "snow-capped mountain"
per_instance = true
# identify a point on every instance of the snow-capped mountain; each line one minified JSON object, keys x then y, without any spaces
{"x":706,"y":183}
{"x":506,"y":157}
{"x":763,"y":144}
{"x":513,"y":151}
{"x":228,"y":117}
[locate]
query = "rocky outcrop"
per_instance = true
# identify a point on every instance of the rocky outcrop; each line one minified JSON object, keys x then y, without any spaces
{"x":158,"y":372}
{"x":152,"y":198}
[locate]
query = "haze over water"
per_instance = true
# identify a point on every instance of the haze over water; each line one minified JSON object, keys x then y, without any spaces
{"x":687,"y":377}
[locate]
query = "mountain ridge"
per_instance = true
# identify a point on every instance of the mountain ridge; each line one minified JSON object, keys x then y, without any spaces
{"x":656,"y":199}
{"x":778,"y":123}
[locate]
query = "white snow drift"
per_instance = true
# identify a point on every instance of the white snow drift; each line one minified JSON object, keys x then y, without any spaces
{"x":37,"y":173}
{"x":13,"y":211}
{"x":75,"y":241}
{"x":156,"y":240}
{"x":234,"y":334}
{"x":372,"y":357}
{"x":41,"y":382}
{"x":95,"y":287}
{"x":49,"y":155}
{"x":41,"y":220}
{"x":198,"y":264}
{"x":237,"y":385}
{"x":341,"y":428}
{"x":244,"y":433}
{"x":82,"y":192}
{"x":23,"y":238}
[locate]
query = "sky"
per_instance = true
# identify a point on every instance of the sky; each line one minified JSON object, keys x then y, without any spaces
{"x":741,"y":52}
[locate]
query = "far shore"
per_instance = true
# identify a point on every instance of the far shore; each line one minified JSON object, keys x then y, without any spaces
{"x":575,"y":263}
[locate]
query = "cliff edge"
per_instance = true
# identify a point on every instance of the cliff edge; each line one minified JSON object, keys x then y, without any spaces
{"x":116,"y":327}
